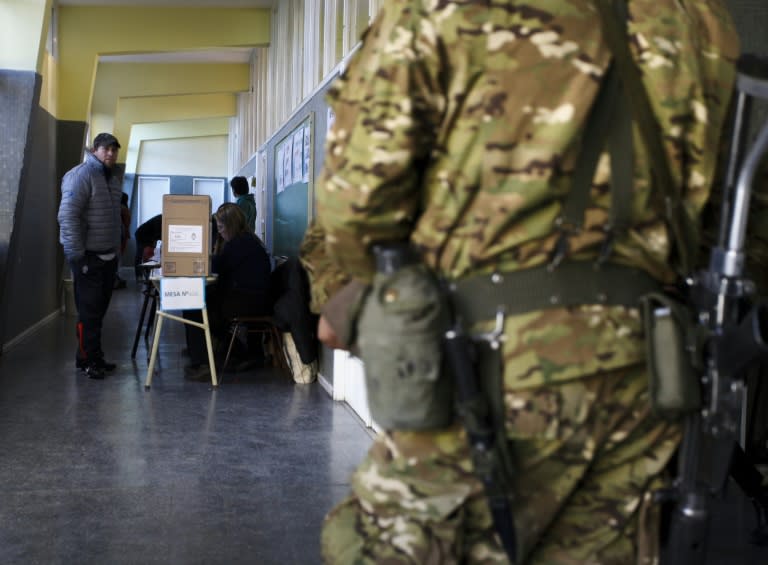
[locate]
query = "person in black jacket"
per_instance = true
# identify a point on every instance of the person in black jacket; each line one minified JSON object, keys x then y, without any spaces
{"x":147,"y":235}
{"x":242,"y":289}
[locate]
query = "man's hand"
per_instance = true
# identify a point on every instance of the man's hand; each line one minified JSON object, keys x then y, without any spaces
{"x":328,"y":336}
{"x":78,"y":263}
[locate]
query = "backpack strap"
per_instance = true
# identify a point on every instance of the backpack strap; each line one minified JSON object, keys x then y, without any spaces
{"x":614,"y":16}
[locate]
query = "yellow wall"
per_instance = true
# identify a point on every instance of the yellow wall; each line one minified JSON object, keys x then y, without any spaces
{"x":23,"y":30}
{"x":170,"y":130}
{"x":48,"y":87}
{"x":116,"y":80}
{"x":195,"y":156}
{"x":169,"y":108}
{"x":85,"y":32}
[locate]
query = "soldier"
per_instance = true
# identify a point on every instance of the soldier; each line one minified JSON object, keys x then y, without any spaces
{"x":458,"y":128}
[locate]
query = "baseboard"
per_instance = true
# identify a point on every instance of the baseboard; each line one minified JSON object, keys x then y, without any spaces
{"x":32,"y":329}
{"x":325,"y":384}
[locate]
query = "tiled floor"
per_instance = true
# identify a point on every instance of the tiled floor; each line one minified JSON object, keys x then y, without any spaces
{"x":106,"y":472}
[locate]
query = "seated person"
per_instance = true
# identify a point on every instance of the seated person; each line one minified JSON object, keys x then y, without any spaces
{"x":147,"y":235}
{"x":242,"y":289}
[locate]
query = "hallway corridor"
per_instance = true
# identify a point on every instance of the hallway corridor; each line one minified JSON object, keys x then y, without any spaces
{"x":105,"y":472}
{"x":108,"y":473}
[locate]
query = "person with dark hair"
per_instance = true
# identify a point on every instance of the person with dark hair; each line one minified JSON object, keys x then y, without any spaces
{"x":147,"y":235}
{"x":89,"y":221}
{"x":125,"y":235}
{"x":243,"y":287}
{"x":244,"y":200}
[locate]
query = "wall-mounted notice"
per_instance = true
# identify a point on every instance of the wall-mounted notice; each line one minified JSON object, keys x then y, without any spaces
{"x":306,"y":161}
{"x":298,"y":150}
{"x":292,"y":192}
{"x":287,"y":157}
{"x":279,"y":179}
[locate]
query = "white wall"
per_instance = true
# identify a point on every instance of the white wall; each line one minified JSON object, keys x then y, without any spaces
{"x":195,"y":156}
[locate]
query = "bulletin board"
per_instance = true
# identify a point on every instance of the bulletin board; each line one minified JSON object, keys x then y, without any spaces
{"x":291,"y":169}
{"x":292,"y":194}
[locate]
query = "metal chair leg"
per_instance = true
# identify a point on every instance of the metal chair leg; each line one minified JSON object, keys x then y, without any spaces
{"x":139,"y":327}
{"x":233,"y":330}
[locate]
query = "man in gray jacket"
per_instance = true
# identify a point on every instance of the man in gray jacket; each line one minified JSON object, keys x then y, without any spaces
{"x":89,"y":221}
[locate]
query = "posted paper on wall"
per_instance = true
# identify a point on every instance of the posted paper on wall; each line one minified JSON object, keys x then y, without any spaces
{"x":185,"y":239}
{"x":305,"y":160}
{"x":298,"y":149}
{"x":287,"y":156}
{"x":279,"y":180}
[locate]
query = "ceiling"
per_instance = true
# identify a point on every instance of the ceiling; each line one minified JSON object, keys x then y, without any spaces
{"x":222,"y":55}
{"x":229,"y":55}
{"x":145,"y":88}
{"x":180,"y":3}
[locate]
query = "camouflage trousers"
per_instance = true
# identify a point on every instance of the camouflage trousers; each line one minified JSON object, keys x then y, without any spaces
{"x":588,"y":454}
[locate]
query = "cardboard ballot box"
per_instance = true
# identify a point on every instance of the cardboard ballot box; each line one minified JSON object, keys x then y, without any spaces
{"x":186,"y":236}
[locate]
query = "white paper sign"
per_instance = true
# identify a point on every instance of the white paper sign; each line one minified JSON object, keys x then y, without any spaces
{"x":305,"y":161}
{"x":280,"y":181}
{"x":298,"y":149}
{"x":185,"y":239}
{"x":182,"y":293}
{"x":287,"y":156}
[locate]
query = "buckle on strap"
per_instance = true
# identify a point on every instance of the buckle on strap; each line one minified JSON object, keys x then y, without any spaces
{"x":494,"y":336}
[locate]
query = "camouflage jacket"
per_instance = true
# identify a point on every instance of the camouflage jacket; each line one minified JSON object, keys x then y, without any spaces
{"x":458,"y":125}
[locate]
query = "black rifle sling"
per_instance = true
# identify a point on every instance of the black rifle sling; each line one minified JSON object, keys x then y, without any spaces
{"x":614,"y":16}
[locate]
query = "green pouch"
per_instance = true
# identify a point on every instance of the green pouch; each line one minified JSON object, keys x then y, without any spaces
{"x":674,"y":384}
{"x":399,"y":339}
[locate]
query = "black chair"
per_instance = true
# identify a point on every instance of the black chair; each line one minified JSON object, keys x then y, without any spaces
{"x":262,"y":325}
{"x":151,"y":295}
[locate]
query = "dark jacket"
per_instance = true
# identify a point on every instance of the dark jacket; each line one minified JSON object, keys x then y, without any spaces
{"x":150,"y":232}
{"x":291,"y":310}
{"x":243,"y":265}
{"x":247,"y":204}
{"x":89,"y":213}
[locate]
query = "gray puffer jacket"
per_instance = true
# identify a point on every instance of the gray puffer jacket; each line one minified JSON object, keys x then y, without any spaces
{"x":89,"y":213}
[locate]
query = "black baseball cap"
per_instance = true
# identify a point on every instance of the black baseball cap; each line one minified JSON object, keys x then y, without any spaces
{"x":105,"y":140}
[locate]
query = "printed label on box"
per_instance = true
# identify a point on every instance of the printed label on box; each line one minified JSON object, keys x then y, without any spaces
{"x":182,"y":293}
{"x":185,"y":239}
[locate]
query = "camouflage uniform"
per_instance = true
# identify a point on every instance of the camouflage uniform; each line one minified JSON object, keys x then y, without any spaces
{"x":457,"y":126}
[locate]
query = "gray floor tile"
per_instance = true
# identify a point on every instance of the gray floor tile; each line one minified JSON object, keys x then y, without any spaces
{"x":108,"y":472}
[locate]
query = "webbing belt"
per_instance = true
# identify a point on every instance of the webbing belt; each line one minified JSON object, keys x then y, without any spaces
{"x":572,"y":283}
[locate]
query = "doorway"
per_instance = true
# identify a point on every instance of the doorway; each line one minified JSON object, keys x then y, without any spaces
{"x":151,"y":191}
{"x":211,"y":187}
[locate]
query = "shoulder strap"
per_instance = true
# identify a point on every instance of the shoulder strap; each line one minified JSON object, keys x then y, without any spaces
{"x":609,"y":122}
{"x":614,"y":16}
{"x":596,"y":131}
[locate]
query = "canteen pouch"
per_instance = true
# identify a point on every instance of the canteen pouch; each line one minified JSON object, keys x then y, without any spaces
{"x":399,"y":339}
{"x":673,"y":380}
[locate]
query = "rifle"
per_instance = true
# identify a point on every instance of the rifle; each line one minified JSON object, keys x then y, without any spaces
{"x":732,"y":333}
